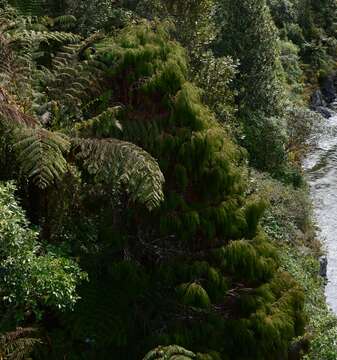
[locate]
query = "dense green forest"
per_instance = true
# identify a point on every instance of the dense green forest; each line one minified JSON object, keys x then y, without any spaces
{"x":151,"y":193}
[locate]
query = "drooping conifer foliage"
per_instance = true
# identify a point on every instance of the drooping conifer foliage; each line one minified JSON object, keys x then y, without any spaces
{"x":196,"y":272}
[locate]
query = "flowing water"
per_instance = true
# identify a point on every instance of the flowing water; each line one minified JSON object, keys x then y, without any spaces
{"x":320,"y":166}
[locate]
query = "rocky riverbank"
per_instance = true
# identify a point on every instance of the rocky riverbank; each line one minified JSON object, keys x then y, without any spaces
{"x":325,"y":96}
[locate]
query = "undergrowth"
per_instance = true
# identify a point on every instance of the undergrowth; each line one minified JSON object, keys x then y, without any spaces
{"x":288,"y":221}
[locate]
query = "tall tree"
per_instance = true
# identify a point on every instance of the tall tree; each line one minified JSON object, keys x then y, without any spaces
{"x":249,"y":35}
{"x":182,"y":275}
{"x":196,"y":271}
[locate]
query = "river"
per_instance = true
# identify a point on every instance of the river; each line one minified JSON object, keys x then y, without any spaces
{"x":320,"y":166}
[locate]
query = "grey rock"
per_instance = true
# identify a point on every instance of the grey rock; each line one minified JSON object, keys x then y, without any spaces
{"x":329,"y":89}
{"x":317,"y":100}
{"x":324,"y":111}
{"x":323,"y":266}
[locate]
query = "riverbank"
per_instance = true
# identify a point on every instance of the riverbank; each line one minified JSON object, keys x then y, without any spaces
{"x":290,"y":222}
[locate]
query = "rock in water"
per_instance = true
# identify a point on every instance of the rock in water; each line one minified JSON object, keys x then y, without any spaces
{"x":323,"y":266}
{"x":325,"y":112}
{"x":329,"y":89}
{"x":317,"y":100}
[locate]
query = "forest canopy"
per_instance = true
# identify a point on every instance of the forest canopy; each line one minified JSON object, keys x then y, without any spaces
{"x":129,"y":132}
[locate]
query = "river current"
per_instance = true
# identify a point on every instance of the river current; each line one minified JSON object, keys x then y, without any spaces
{"x":320,"y":166}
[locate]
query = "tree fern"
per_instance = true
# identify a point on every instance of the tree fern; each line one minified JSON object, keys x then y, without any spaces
{"x":14,"y":68}
{"x":41,"y":154}
{"x":10,"y":113}
{"x":23,"y":41}
{"x":75,"y":77}
{"x":73,"y":84}
{"x":124,"y":165}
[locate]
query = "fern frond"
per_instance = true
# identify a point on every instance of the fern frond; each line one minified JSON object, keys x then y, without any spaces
{"x":125,"y":166}
{"x":74,"y":85}
{"x":75,"y":77}
{"x":7,"y":16}
{"x":41,"y":155}
{"x":18,"y":344}
{"x":65,"y":21}
{"x":28,"y":7}
{"x":10,"y":114}
{"x":47,"y":36}
{"x":14,"y":69}
{"x":170,"y":353}
{"x":20,"y":46}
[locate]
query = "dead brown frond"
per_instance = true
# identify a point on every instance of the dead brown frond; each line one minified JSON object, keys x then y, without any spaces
{"x":18,"y":344}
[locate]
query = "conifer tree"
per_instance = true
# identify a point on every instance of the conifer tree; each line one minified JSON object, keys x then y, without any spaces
{"x":249,"y":35}
{"x":182,"y":275}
